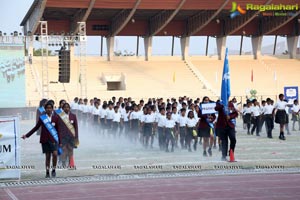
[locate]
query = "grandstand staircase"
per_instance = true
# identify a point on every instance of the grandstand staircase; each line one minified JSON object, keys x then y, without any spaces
{"x":196,"y":72}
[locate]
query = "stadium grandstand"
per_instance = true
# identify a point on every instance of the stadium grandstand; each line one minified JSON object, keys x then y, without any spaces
{"x":69,"y":22}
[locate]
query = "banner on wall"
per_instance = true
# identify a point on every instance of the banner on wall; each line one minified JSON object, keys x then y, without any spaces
{"x":291,"y":93}
{"x":9,"y":148}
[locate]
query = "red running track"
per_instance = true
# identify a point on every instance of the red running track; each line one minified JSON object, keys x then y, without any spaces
{"x":237,"y":187}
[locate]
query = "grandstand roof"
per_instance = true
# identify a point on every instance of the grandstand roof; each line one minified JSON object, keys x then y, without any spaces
{"x":156,"y":17}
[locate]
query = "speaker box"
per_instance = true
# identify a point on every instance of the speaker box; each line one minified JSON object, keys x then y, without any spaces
{"x":64,"y":66}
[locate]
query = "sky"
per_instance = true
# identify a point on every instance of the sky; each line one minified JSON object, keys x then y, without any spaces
{"x":13,"y":11}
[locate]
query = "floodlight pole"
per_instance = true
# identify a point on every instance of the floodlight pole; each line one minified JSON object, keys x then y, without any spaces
{"x":82,"y":60}
{"x":44,"y":54}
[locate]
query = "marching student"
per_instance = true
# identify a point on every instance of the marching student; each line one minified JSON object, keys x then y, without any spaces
{"x":262,"y":116}
{"x":160,"y":119}
{"x":95,"y":116}
{"x":280,"y":115}
{"x":205,"y":127}
{"x":153,"y":113}
{"x":147,"y":122}
{"x":109,"y":117}
{"x":247,"y":115}
{"x":269,"y":119}
{"x":125,"y":121}
{"x":182,"y":120}
{"x":134,"y":122}
{"x":49,"y":138}
{"x":225,"y":127}
{"x":85,"y":111}
{"x":91,"y":107}
{"x":122,"y":111}
{"x":68,"y":129}
{"x":295,"y":114}
{"x":175,"y":117}
{"x":103,"y":115}
{"x":116,"y":121}
{"x":191,"y":124}
{"x":255,"y":112}
{"x":170,"y":131}
{"x":80,"y":110}
{"x":287,"y":128}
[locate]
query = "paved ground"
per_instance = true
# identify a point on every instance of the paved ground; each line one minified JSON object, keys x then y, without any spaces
{"x":108,"y":168}
{"x":267,"y":187}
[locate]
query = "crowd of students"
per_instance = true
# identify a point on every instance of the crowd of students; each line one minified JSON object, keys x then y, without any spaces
{"x":175,"y":123}
{"x":267,"y":113}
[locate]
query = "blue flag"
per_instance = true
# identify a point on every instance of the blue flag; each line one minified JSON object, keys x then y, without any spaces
{"x":225,"y":88}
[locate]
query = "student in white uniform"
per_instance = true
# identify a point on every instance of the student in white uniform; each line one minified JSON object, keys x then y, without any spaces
{"x":262,"y":117}
{"x":74,"y":106}
{"x":255,"y":112}
{"x":95,"y":113}
{"x":102,"y":116}
{"x":125,"y":121}
{"x":134,"y":123}
{"x":85,"y":112}
{"x":269,"y":119}
{"x":147,"y":122}
{"x":110,"y":115}
{"x":295,"y":114}
{"x":116,"y":121}
{"x":175,"y":117}
{"x":280,"y":116}
{"x":160,"y":120}
{"x":247,"y":116}
{"x":191,"y":124}
{"x":170,"y":131}
{"x":182,"y":120}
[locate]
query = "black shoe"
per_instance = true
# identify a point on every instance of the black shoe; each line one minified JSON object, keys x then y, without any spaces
{"x":270,"y":137}
{"x":53,"y":173}
{"x":47,"y":175}
{"x":248,"y":133}
{"x":209,"y":152}
{"x":223,"y":159}
{"x":251,"y":133}
{"x":204,"y":154}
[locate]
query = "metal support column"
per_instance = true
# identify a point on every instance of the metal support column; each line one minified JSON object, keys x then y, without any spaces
{"x":241,"y":44}
{"x":44,"y":47}
{"x":275,"y":44}
{"x":206,"y":49}
{"x":172,"y":49}
{"x":137,"y":45}
{"x":101,"y":48}
{"x":82,"y":60}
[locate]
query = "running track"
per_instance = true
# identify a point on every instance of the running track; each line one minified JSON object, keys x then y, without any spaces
{"x":236,"y":187}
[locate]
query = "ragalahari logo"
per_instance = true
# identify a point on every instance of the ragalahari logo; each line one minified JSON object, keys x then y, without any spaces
{"x":236,"y":10}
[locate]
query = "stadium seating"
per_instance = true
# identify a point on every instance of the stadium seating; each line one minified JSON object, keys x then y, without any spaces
{"x":167,"y":77}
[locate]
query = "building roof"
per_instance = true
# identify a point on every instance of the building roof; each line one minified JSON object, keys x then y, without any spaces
{"x":168,"y":17}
